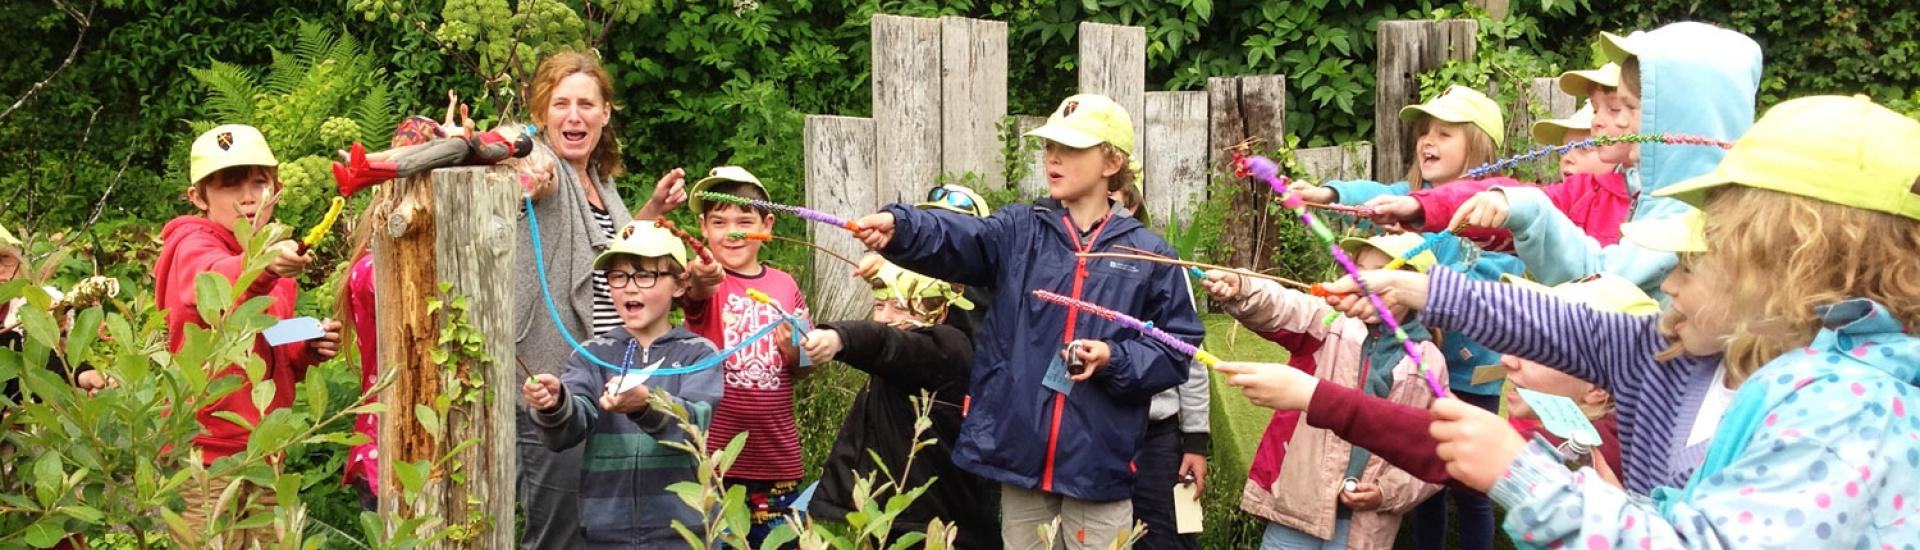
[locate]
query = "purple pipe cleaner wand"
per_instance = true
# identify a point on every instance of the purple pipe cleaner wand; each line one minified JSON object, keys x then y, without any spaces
{"x":1128,"y":321}
{"x":1264,"y":169}
{"x":802,"y":212}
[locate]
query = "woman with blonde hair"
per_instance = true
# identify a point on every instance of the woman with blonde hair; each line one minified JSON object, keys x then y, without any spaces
{"x":572,"y":171}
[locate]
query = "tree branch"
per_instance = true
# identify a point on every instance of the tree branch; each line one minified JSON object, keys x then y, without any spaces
{"x":86,"y":22}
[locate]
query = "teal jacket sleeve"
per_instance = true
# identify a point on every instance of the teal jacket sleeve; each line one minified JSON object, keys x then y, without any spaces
{"x":1360,"y":191}
{"x":1556,"y":251}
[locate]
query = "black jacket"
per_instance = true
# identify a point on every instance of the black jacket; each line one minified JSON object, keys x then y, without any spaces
{"x":901,"y":363}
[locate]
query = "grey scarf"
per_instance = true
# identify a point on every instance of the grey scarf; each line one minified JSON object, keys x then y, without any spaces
{"x":570,"y":240}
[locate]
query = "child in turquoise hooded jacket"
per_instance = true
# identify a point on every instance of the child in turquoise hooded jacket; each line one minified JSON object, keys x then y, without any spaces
{"x":1693,"y":79}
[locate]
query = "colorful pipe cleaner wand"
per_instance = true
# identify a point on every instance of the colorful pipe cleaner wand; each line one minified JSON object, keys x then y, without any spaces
{"x":319,"y":231}
{"x":699,"y":248}
{"x":1264,"y":169}
{"x":800,"y":211}
{"x":1145,"y":327}
{"x":1503,"y":165}
{"x":799,"y":327}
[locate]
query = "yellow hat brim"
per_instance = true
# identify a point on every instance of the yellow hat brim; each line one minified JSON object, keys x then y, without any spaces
{"x":1682,"y":234}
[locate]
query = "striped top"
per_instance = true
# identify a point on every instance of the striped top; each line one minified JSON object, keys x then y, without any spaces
{"x":759,"y":378}
{"x":1656,"y":401}
{"x":605,"y":318}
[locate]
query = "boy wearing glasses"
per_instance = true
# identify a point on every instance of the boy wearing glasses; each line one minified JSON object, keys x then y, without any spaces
{"x":624,"y":502}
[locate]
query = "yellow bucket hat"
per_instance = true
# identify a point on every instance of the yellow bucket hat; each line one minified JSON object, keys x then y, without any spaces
{"x":643,"y":239}
{"x":1554,"y":131}
{"x":1460,"y":104}
{"x":225,"y":147}
{"x":1581,"y":83}
{"x":1395,"y":245}
{"x":1684,"y":233}
{"x":1086,"y":120}
{"x":893,"y":282}
{"x":1604,"y":292}
{"x":1844,"y":150}
{"x":720,"y":175}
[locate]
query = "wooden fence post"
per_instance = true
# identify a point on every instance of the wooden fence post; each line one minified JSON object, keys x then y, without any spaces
{"x":1113,"y":63}
{"x":840,"y":178}
{"x":1244,"y":108}
{"x":1339,"y":162}
{"x":1176,"y":141}
{"x":1406,"y":48}
{"x":906,"y":105}
{"x":455,"y":226}
{"x":1034,"y":184}
{"x":973,"y":99}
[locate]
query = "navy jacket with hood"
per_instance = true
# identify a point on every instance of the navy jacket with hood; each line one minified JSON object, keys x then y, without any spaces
{"x":1016,"y":430}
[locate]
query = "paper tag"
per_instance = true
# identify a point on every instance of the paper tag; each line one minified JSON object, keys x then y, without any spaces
{"x":1559,"y":415}
{"x":1488,"y":373}
{"x":634,"y":379}
{"x":297,"y":329}
{"x":1187,"y":515}
{"x":1056,"y":378}
{"x":805,"y":500}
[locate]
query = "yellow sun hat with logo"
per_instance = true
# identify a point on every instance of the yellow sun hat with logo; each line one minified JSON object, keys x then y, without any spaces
{"x":643,"y":239}
{"x":225,"y":147}
{"x":1086,"y":120}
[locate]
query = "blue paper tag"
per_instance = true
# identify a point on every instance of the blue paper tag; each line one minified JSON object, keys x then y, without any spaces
{"x":1056,"y":379}
{"x":297,"y":329}
{"x":1559,"y":415}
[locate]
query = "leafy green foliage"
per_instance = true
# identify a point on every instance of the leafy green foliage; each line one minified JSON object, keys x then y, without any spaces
{"x":325,"y":93}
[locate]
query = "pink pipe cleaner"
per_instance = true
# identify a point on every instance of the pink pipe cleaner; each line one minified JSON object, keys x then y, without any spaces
{"x":1129,"y":321}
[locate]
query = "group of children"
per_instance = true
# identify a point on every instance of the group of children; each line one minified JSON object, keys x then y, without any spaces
{"x":1735,"y":324}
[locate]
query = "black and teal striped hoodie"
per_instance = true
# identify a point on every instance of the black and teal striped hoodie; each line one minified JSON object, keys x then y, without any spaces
{"x":624,"y":502}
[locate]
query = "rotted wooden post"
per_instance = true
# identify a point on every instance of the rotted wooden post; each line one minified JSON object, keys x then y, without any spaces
{"x":455,"y":226}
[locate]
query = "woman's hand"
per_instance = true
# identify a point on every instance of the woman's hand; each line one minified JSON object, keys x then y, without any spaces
{"x":537,"y":175}
{"x":669,"y":192}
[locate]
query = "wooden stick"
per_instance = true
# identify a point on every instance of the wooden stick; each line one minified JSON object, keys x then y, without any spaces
{"x":1165,"y":260}
{"x":836,"y":255}
{"x":524,"y":369}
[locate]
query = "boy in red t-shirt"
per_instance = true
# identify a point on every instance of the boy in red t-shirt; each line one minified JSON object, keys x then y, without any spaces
{"x":759,"y":378}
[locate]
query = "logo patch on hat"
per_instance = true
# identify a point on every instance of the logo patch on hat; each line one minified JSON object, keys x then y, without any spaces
{"x":224,"y":140}
{"x":626,"y":232}
{"x":1070,"y":108}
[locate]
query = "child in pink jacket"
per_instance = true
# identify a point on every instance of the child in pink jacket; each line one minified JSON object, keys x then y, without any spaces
{"x":1311,"y":486}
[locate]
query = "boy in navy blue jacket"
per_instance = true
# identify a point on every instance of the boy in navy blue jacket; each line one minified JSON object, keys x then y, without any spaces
{"x":1057,"y":431}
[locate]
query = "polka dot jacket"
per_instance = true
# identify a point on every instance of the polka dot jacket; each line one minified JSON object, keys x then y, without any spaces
{"x":1831,"y":459}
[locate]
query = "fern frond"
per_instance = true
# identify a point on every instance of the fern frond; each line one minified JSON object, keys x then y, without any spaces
{"x":231,"y":90}
{"x":313,"y":41}
{"x":284,"y":74}
{"x":375,"y":113}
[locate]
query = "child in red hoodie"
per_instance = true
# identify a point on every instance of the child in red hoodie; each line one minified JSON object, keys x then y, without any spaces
{"x":233,"y":175}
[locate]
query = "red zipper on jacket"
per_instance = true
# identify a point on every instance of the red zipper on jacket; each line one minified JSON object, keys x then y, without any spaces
{"x":1073,"y":313}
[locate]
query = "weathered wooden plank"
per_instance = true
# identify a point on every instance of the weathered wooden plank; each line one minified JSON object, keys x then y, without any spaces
{"x":1033,"y":184}
{"x":1406,"y":48}
{"x":840,"y":155}
{"x":1339,"y":162}
{"x":973,"y":98}
{"x":1245,"y":108}
{"x":906,"y":104}
{"x":1113,"y":63}
{"x":457,"y":226}
{"x":1176,"y":143}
